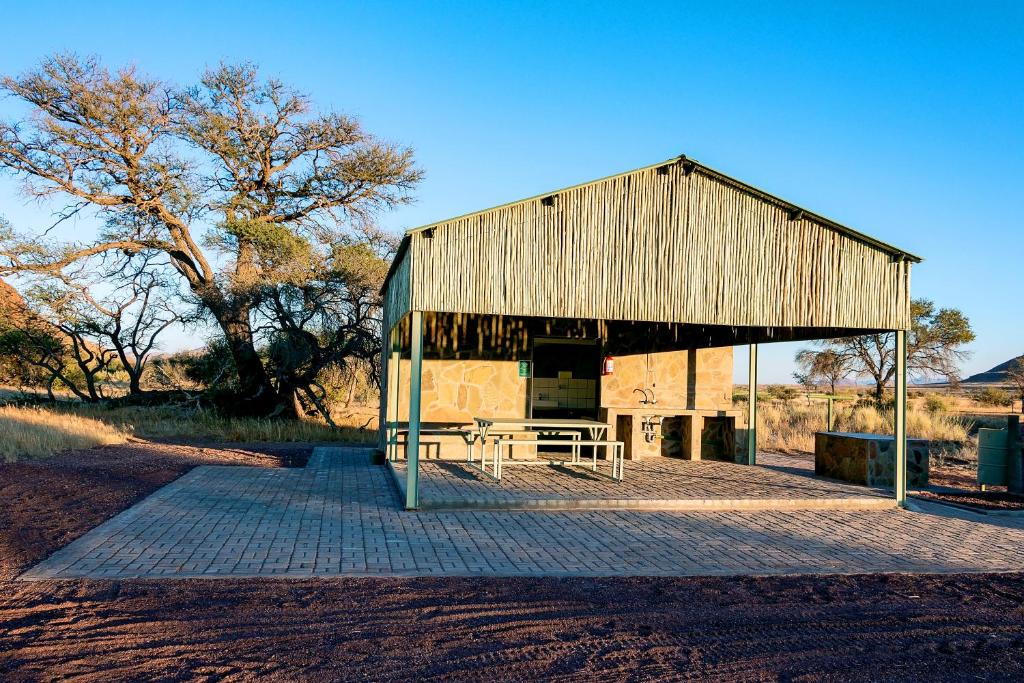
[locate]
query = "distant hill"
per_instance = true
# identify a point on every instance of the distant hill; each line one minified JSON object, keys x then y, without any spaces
{"x":996,"y":375}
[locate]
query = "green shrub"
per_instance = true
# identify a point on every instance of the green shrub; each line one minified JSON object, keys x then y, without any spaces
{"x":781,"y":392}
{"x":935,"y":404}
{"x":991,"y":396}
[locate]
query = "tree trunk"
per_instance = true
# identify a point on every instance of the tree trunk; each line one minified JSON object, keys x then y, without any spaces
{"x":134,"y":387}
{"x":257,"y":396}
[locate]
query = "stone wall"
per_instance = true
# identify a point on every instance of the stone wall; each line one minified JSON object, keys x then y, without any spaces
{"x":698,"y":379}
{"x":868,"y":459}
{"x":457,"y":390}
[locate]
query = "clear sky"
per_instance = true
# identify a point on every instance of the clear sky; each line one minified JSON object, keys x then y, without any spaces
{"x":905,"y":124}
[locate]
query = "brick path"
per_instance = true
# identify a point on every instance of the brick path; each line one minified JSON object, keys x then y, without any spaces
{"x":341,"y":516}
{"x":655,"y":483}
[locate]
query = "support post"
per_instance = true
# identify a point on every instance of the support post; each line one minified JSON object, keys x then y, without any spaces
{"x":394,"y":391}
{"x":696,"y":431}
{"x":752,"y":408}
{"x":412,"y":447}
{"x":900,"y":419}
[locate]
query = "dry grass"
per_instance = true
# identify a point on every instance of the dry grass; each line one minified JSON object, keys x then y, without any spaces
{"x":790,"y":427}
{"x":171,"y":422}
{"x":39,"y":432}
{"x":31,"y":432}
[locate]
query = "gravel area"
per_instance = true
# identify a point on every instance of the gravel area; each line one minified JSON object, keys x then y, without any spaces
{"x":849,"y":628}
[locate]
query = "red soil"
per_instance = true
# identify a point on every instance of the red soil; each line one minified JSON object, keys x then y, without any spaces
{"x":783,"y":628}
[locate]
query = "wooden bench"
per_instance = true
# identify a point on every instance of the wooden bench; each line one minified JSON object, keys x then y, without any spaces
{"x":471,"y":434}
{"x":614,"y":448}
{"x":468,"y":434}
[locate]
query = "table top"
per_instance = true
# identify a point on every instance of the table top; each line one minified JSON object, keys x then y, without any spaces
{"x":540,"y":422}
{"x":867,"y":437}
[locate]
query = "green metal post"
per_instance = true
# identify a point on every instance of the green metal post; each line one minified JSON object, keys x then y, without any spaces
{"x":752,"y":408}
{"x":828,"y":420}
{"x":394,"y":391}
{"x":900,"y":418}
{"x":412,"y":448}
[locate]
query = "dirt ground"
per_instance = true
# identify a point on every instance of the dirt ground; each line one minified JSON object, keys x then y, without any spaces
{"x":871,"y":628}
{"x":968,"y":493}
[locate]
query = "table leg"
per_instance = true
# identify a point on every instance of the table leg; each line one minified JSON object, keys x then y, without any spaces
{"x":498,"y":453}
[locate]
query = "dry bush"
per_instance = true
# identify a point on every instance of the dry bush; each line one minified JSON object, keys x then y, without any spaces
{"x":39,"y":432}
{"x":790,"y":428}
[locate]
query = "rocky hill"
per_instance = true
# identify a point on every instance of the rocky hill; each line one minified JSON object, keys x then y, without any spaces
{"x":12,"y":306}
{"x":996,"y":375}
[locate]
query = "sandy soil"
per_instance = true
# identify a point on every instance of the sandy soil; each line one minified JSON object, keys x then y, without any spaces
{"x":723,"y":629}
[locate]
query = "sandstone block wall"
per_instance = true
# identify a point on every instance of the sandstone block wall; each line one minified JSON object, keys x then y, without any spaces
{"x":694,"y":379}
{"x":456,"y":390}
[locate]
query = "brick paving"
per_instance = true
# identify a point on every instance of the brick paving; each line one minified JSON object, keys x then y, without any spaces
{"x":341,"y":516}
{"x":655,"y":483}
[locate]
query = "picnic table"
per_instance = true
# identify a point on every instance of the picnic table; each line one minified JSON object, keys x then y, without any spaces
{"x":505,"y":429}
{"x":594,"y":428}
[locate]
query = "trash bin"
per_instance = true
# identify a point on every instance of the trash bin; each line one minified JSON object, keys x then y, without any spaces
{"x":993,"y":452}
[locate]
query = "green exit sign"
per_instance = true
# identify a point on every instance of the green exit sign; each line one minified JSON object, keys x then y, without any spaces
{"x":524,"y":368}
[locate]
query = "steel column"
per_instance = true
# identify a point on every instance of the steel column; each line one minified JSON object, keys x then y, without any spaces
{"x":412,"y":448}
{"x":752,"y":408}
{"x":900,"y":418}
{"x":394,"y":390}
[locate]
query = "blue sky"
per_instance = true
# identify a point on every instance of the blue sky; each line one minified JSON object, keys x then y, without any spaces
{"x":907,"y":124}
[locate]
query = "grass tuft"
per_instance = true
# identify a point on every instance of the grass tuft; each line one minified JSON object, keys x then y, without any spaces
{"x":40,"y":432}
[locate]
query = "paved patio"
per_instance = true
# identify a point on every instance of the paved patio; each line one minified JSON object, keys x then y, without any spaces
{"x":778,"y":483}
{"x":341,"y":516}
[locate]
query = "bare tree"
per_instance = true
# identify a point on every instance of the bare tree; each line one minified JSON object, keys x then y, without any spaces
{"x":131,"y":318}
{"x":54,"y":338}
{"x":1015,"y":375}
{"x":234,"y":164}
{"x":935,"y":344}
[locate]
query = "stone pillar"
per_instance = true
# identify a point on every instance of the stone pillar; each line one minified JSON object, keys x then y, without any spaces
{"x":696,"y":428}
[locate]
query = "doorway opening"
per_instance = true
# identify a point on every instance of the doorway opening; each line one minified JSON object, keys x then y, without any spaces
{"x":566,"y":378}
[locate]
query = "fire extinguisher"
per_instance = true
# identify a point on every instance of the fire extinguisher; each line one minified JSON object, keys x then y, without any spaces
{"x":608,"y":365}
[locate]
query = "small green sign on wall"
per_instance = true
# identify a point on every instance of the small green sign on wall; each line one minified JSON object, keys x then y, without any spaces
{"x":524,"y":368}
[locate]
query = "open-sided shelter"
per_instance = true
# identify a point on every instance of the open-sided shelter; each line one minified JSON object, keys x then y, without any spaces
{"x":621,"y":299}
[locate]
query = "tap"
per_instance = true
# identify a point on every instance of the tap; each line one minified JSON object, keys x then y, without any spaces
{"x":648,"y":396}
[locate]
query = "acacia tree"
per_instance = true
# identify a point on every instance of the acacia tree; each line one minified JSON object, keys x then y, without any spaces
{"x":827,"y":366}
{"x":326,"y":316}
{"x":935,"y":344}
{"x":234,"y":163}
